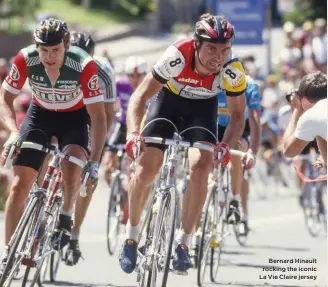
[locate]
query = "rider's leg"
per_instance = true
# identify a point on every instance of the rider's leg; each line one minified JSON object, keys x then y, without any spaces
{"x":139,"y":186}
{"x":244,"y":198}
{"x":110,"y":162}
{"x":236,"y":180}
{"x":237,"y":169}
{"x":22,"y":183}
{"x":200,"y":163}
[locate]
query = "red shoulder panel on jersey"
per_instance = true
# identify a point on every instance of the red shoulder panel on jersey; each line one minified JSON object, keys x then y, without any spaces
{"x":15,"y":80}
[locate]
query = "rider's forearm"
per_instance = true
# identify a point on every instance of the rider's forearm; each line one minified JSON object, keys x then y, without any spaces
{"x":135,"y":113}
{"x":98,"y":135}
{"x":292,"y":124}
{"x":234,"y":130}
{"x":7,"y":112}
{"x":255,"y":139}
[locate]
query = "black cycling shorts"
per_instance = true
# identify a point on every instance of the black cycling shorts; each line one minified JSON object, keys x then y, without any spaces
{"x":183,"y":113}
{"x":245,"y":134}
{"x":40,"y":125}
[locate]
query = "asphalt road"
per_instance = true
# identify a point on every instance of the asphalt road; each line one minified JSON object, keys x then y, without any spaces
{"x":278,"y":232}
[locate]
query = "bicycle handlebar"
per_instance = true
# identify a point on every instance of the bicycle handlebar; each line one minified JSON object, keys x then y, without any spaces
{"x":53,"y":151}
{"x":186,"y":144}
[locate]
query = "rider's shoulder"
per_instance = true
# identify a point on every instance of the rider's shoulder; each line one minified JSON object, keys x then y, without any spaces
{"x":77,"y":59}
{"x":29,"y":52}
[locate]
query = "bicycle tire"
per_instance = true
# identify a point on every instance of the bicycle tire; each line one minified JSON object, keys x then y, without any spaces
{"x":23,"y":223}
{"x":112,"y":204}
{"x":170,"y":205}
{"x":214,"y":269}
{"x":311,"y":215}
{"x":240,"y":238}
{"x":200,"y":271}
{"x":145,"y":279}
{"x":40,"y":236}
{"x":45,"y":234}
{"x":57,"y":257}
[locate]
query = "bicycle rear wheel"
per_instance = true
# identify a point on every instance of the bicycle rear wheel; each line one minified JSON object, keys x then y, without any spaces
{"x":114,"y":214}
{"x":206,"y":238}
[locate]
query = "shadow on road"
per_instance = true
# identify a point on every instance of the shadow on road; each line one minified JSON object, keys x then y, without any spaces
{"x":75,"y":284}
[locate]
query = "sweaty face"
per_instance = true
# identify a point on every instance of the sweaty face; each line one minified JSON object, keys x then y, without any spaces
{"x":135,"y":79}
{"x":214,"y":55}
{"x":52,"y":57}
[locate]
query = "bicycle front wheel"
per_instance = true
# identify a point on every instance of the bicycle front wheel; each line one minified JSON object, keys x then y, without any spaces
{"x":208,"y":231}
{"x":164,"y":240}
{"x":114,"y":214}
{"x":15,"y":258}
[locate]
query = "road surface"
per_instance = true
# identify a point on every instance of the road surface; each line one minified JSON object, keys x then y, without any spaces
{"x":278,"y":232}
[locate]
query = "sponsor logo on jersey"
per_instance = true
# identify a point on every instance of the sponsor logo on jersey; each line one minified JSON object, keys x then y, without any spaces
{"x":188,"y":80}
{"x":93,"y":83}
{"x":67,"y":86}
{"x":14,"y":74}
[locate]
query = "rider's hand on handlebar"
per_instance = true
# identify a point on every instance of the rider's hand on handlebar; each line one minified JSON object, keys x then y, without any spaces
{"x":91,"y":167}
{"x":249,"y":159}
{"x":12,"y":140}
{"x":223,"y":150}
{"x":131,"y":144}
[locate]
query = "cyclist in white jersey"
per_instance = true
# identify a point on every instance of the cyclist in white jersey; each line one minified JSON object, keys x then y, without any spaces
{"x":106,"y":80}
{"x":309,"y":119}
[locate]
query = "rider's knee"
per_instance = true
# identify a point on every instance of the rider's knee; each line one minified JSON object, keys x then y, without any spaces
{"x":148,"y":167}
{"x":19,"y":190}
{"x":201,"y":165}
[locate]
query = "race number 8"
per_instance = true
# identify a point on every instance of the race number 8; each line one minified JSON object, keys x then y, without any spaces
{"x":175,"y":62}
{"x":231,"y":74}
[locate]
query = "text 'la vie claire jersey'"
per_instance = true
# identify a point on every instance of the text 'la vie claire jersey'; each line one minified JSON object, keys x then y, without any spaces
{"x":176,"y":70}
{"x":76,"y":85}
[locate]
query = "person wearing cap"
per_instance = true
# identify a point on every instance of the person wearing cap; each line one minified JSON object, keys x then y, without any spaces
{"x":66,"y":103}
{"x":185,"y":80}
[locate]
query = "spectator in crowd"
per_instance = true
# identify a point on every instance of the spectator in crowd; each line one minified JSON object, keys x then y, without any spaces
{"x":319,"y":44}
{"x":270,"y":99}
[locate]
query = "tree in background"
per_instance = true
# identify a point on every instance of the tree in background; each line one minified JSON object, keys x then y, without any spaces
{"x":307,"y":9}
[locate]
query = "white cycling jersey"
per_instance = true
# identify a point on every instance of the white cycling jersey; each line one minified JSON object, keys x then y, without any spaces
{"x":313,"y":122}
{"x":106,"y":79}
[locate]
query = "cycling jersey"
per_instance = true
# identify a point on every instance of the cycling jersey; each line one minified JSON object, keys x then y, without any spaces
{"x":124,"y":92}
{"x":76,"y":85}
{"x":106,"y":79}
{"x":176,"y":70}
{"x":253,"y":100}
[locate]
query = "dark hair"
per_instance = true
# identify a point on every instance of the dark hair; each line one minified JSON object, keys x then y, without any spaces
{"x":313,"y":87}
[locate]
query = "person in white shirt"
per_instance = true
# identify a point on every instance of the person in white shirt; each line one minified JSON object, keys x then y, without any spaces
{"x":309,"y":119}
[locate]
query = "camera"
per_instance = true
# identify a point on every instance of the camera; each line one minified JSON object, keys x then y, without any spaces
{"x":290,"y":95}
